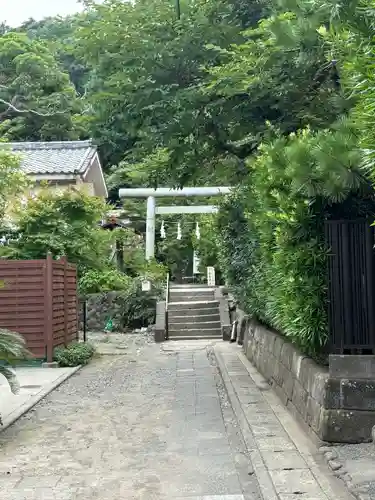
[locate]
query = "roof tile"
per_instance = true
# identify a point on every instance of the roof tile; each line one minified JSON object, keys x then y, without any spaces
{"x":63,"y":157}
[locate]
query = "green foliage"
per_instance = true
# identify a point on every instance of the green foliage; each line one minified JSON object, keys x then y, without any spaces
{"x":59,"y":32}
{"x":37,"y":99}
{"x":97,"y":281}
{"x":79,"y":353}
{"x":271,"y":233}
{"x":12,"y":349}
{"x":273,"y":96}
{"x":12,"y":183}
{"x":138,"y":308}
{"x":65,"y":224}
{"x":146,"y":94}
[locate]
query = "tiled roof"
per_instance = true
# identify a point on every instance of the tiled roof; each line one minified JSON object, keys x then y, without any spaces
{"x":63,"y":157}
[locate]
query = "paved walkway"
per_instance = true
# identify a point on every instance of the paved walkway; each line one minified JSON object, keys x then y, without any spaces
{"x":158,"y":425}
{"x":35,"y":383}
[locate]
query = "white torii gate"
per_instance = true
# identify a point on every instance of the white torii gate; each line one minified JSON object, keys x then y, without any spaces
{"x":152,"y":210}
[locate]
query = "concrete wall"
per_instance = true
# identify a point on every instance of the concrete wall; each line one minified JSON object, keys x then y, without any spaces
{"x":334,"y":407}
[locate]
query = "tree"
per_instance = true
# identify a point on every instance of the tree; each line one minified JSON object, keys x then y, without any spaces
{"x":12,"y":185}
{"x":65,"y":224}
{"x":59,"y":34}
{"x":37,"y":100}
{"x":145,"y":92}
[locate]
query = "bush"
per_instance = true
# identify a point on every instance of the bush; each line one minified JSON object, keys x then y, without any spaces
{"x":94,"y":281}
{"x":270,"y":232}
{"x":75,"y":354}
{"x":138,"y":308}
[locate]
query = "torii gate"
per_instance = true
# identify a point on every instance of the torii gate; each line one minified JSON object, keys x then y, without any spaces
{"x":153,"y":210}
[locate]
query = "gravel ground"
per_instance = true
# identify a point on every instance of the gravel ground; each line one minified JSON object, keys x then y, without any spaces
{"x":139,"y":424}
{"x":358,"y":462}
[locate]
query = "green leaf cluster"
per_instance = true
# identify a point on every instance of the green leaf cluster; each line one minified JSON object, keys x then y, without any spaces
{"x":78,"y":353}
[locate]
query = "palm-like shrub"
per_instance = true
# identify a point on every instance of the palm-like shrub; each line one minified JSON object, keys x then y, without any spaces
{"x":12,"y":349}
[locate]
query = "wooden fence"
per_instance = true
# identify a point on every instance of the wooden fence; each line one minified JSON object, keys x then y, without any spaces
{"x":38,"y":299}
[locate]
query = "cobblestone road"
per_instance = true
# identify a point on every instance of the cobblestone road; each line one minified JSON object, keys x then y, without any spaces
{"x":145,"y":425}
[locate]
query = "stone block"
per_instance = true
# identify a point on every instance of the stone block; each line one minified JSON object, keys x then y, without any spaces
{"x":280,"y":373}
{"x":317,"y":387}
{"x":288,"y":384}
{"x":266,"y":363}
{"x":346,"y":426}
{"x":278,"y":345}
{"x":357,"y":395}
{"x":299,"y":399}
{"x":313,"y":413}
{"x":269,"y":365}
{"x":332,"y":395}
{"x":286,"y":355}
{"x":352,"y":366}
{"x":308,"y":367}
{"x":226,"y":331}
{"x":260,"y":335}
{"x":280,"y":393}
{"x":271,"y":338}
{"x":297,"y":359}
{"x":159,"y":335}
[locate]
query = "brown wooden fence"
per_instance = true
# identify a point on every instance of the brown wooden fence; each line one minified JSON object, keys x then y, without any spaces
{"x":38,"y":299}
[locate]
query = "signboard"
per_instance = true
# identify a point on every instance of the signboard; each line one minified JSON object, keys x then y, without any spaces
{"x":146,"y":286}
{"x":211,"y":278}
{"x":196,"y":263}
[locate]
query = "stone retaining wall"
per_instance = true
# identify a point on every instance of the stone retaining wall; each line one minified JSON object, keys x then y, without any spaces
{"x":336,"y":409}
{"x":99,"y":308}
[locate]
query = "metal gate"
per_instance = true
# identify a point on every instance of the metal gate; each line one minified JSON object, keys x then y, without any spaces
{"x":351,"y":286}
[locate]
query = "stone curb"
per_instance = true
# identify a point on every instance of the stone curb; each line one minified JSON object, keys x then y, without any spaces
{"x":338,"y":468}
{"x":36,"y":398}
{"x":264,"y":479}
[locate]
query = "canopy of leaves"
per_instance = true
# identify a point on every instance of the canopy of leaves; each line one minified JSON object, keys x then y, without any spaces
{"x":37,"y":99}
{"x":12,"y":184}
{"x":65,"y":224}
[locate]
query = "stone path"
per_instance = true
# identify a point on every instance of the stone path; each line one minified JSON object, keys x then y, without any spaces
{"x":158,"y":425}
{"x":286,"y":462}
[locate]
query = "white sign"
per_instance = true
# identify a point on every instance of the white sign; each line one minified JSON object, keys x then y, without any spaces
{"x":196,"y":262}
{"x":211,"y":278}
{"x":146,"y":286}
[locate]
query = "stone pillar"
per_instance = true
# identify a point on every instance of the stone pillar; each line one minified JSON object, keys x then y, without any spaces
{"x":150,"y":228}
{"x":350,"y":398}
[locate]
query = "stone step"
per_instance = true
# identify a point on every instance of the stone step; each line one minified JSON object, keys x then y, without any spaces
{"x":195,"y":333}
{"x":192,"y":289}
{"x":195,"y":337}
{"x":180,"y":306}
{"x":195,"y":326}
{"x":191,"y":298}
{"x":191,"y":286}
{"x":214,"y":317}
{"x":184,"y":313}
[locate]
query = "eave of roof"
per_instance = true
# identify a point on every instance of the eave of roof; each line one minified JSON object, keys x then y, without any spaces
{"x":53,"y":158}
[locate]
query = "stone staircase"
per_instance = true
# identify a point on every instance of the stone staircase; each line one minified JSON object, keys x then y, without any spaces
{"x":193,"y":313}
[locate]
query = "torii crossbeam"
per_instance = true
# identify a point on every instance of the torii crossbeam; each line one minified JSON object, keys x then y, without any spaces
{"x":151,"y":194}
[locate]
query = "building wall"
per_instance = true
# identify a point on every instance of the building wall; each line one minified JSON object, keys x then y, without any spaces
{"x":63,"y":186}
{"x":87,"y":187}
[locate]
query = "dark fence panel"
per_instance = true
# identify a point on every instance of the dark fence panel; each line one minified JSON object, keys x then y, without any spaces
{"x":38,"y":299}
{"x":351,"y":286}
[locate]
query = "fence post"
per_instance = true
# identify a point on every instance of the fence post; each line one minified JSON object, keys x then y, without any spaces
{"x":48,"y":307}
{"x":66,"y":309}
{"x":77,"y":302}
